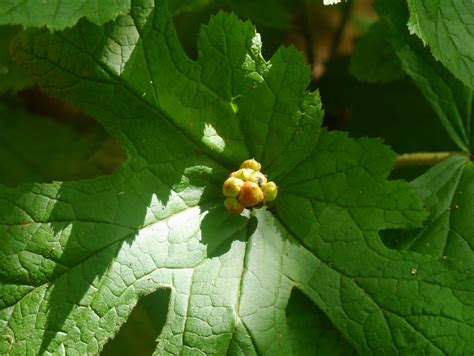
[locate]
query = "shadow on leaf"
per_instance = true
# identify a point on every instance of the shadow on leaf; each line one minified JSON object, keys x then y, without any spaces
{"x":138,"y":335}
{"x":310,"y":332}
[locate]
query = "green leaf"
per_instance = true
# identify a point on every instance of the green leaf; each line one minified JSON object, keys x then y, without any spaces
{"x":449,"y":97}
{"x":60,"y":14}
{"x":76,"y":256}
{"x":12,"y":78}
{"x":447,"y":27}
{"x":447,"y":190}
{"x":335,"y":205}
{"x":310,"y":331}
{"x":138,"y":335}
{"x":36,"y":148}
{"x":376,"y":110}
{"x":204,"y":99}
{"x":374,"y":60}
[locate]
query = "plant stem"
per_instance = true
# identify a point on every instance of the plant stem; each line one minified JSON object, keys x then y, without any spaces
{"x":424,"y":158}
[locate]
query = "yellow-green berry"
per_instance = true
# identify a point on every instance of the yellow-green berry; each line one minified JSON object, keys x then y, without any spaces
{"x":243,"y":173}
{"x":259,"y":178}
{"x":233,"y":206}
{"x":250,"y":194}
{"x":270,"y":191}
{"x":252,"y":164}
{"x":232,"y":186}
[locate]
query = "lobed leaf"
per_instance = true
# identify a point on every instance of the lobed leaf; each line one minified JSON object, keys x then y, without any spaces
{"x":12,"y":78}
{"x":76,"y":256}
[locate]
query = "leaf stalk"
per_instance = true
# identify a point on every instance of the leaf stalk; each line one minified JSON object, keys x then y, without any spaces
{"x":425,"y":158}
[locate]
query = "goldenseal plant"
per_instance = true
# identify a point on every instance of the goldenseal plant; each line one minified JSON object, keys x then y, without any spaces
{"x":248,"y":187}
{"x":345,"y":261}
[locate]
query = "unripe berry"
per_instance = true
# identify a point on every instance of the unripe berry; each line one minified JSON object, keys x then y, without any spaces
{"x":259,"y":178}
{"x":232,"y":186}
{"x":250,"y":194}
{"x":243,"y":173}
{"x":252,"y":164}
{"x":233,"y":206}
{"x":270,"y":191}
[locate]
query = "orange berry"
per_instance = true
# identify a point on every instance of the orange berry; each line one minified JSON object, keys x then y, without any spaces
{"x":250,"y":194}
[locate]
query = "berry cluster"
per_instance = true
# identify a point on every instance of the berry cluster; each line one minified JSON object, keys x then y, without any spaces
{"x":248,"y":188}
